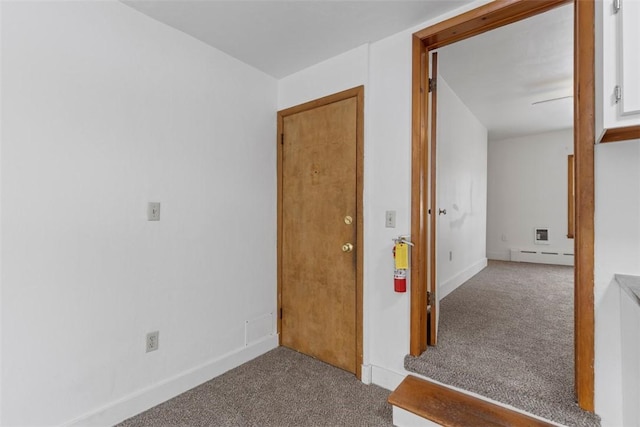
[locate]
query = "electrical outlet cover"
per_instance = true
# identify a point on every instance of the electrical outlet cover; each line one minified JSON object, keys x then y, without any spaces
{"x":153,"y":341}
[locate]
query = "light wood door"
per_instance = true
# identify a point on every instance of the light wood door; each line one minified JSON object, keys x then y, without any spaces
{"x":318,"y":274}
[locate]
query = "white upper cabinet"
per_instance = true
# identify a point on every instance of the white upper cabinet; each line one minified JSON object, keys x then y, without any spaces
{"x":630,"y":57}
{"x":617,"y":64}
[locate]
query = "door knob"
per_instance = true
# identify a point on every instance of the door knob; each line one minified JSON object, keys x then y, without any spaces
{"x":347,"y":247}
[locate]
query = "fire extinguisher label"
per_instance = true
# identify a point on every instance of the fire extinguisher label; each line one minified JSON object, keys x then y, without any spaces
{"x":400,"y":280}
{"x":399,"y":274}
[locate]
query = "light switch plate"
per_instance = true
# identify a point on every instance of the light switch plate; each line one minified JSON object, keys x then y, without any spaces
{"x":390,"y":219}
{"x":153,"y":211}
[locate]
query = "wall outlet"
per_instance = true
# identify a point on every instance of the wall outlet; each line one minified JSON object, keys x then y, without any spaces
{"x":153,"y":341}
{"x":153,"y":211}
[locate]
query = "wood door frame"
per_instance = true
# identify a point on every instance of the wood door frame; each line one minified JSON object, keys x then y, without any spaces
{"x":490,"y":16}
{"x":358,"y":93}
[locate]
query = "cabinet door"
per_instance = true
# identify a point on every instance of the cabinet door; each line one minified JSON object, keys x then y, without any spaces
{"x":617,"y":69}
{"x":630,"y":57}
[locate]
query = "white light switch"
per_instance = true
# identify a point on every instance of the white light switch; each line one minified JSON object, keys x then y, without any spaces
{"x":390,"y":219}
{"x":153,"y":211}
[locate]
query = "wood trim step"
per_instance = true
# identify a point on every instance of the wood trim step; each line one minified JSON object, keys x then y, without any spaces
{"x":452,"y":408}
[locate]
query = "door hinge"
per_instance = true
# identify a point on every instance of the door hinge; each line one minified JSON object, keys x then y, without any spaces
{"x":432,"y":84}
{"x":280,"y":313}
{"x":617,"y":6}
{"x":617,"y":93}
{"x":282,"y":139}
{"x":429,"y":211}
{"x":428,"y":298}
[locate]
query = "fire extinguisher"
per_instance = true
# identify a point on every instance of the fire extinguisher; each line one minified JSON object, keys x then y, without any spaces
{"x":401,"y":261}
{"x":400,"y":280}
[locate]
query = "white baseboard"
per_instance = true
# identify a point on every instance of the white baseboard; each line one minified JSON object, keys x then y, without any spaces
{"x":386,"y":378}
{"x":500,"y":256}
{"x":148,"y":397}
{"x":365,"y":374}
{"x":450,"y":285}
{"x":543,"y":255}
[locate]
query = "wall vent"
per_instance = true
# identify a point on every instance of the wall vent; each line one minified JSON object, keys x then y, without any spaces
{"x":541,"y":236}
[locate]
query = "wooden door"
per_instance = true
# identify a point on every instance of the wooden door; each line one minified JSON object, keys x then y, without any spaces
{"x":319,"y":233}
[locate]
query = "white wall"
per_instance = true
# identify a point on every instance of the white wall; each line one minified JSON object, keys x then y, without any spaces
{"x":94,"y":98}
{"x":387,"y":187}
{"x":342,"y":72}
{"x":630,"y":349}
{"x":528,"y":189}
{"x":104,"y":110}
{"x":462,"y":191}
{"x":617,"y":246}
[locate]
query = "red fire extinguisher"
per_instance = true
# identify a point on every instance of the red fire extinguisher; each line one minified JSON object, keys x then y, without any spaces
{"x":400,"y":280}
{"x":401,"y":260}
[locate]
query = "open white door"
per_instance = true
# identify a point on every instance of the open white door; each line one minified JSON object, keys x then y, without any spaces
{"x":432,"y":282}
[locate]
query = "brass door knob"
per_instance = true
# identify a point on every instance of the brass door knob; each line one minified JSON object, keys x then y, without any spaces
{"x":347,"y":247}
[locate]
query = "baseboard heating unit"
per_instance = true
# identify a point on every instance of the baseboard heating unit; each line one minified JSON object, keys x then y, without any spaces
{"x":546,"y":256}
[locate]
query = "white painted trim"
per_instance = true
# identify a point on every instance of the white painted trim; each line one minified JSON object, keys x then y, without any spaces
{"x":365,"y":374}
{"x":386,"y":378}
{"x":500,"y":255}
{"x":404,"y":418}
{"x":448,"y":286}
{"x":543,"y":256}
{"x":148,"y":397}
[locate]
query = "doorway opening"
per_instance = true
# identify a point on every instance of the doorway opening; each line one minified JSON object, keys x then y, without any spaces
{"x":425,"y":209}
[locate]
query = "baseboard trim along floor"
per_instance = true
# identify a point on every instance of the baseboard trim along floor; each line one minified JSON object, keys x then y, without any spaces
{"x":148,"y":397}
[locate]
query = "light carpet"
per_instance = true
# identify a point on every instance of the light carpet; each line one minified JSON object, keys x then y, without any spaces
{"x":279,"y":388}
{"x":507,"y":334}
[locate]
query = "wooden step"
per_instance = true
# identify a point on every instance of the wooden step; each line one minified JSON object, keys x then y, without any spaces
{"x":449,"y":407}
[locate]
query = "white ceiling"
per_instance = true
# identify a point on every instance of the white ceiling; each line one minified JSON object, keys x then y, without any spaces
{"x":282,"y":37}
{"x":499,"y":74}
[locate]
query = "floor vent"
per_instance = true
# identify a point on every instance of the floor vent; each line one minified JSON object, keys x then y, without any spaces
{"x":542,"y":257}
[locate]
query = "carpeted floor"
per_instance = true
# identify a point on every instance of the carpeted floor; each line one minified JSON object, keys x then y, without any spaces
{"x":507,"y":334}
{"x":280,"y":388}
